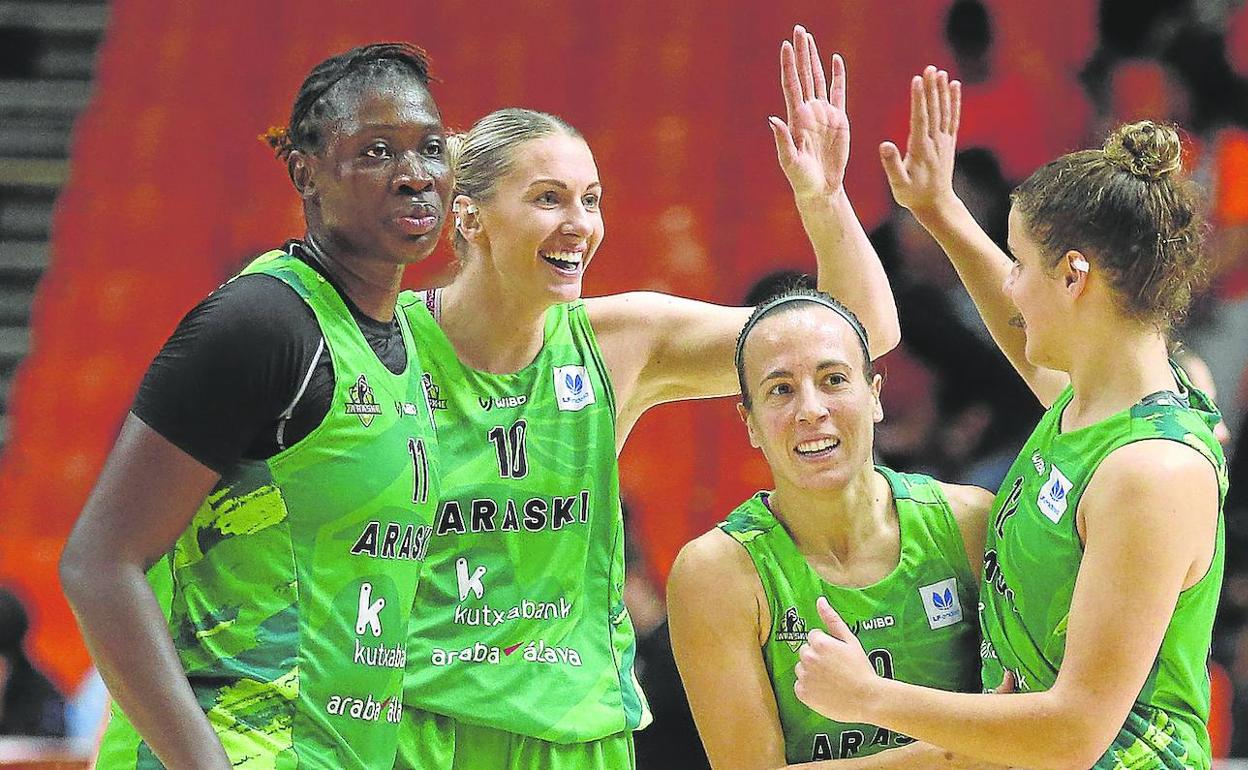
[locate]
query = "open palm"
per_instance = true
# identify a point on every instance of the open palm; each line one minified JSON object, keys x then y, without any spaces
{"x":812,"y":145}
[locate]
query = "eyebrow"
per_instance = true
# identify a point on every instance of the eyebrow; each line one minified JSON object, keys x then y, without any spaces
{"x":829,"y":363}
{"x":558,"y":183}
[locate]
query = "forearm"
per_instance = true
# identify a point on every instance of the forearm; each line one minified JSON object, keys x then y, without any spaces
{"x":1035,"y":730}
{"x":126,"y":634}
{"x":981,"y":265}
{"x":916,"y":756}
{"x":849,"y":268}
{"x":983,"y":268}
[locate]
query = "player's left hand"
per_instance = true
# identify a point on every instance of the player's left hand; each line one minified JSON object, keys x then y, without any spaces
{"x":834,"y":676}
{"x":813,"y":143}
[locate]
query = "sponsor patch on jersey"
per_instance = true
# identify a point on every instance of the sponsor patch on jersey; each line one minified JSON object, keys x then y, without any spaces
{"x":941,"y":602}
{"x":361,"y":402}
{"x":433,"y":394}
{"x":573,"y":389}
{"x":792,"y":629}
{"x":1038,"y":462}
{"x":502,"y":402}
{"x":1052,"y":498}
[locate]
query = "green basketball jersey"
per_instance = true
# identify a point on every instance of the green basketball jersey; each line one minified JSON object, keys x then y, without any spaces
{"x":520,"y":622}
{"x":1032,"y":559}
{"x":915,"y":623}
{"x":289,"y":595}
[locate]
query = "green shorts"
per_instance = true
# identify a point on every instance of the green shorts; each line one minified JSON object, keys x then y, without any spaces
{"x":430,"y":741}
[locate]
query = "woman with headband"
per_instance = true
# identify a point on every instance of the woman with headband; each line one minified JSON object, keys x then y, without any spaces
{"x":1104,"y":553}
{"x":898,"y":553}
{"x":276,"y":466}
{"x":522,"y":650}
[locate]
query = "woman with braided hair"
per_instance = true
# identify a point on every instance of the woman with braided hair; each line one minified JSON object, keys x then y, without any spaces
{"x":1104,"y":551}
{"x":274,"y":478}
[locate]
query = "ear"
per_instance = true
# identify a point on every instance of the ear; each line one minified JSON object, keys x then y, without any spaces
{"x":299,"y":167}
{"x":877,"y":408}
{"x":749,"y":427}
{"x":467,"y":217}
{"x":1074,"y":269}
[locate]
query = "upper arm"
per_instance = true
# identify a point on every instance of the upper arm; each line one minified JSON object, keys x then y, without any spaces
{"x":971,"y":506}
{"x":714,"y":610}
{"x":230,"y":369}
{"x":1150,"y":521}
{"x":145,"y":496}
{"x":663,"y":348}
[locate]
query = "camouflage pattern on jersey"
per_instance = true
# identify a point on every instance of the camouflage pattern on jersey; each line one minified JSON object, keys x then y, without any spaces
{"x":289,"y":594}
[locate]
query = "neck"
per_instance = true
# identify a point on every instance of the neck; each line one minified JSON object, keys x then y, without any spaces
{"x":373,"y":285}
{"x":1114,"y":373}
{"x":492,"y":327}
{"x":837,"y":521}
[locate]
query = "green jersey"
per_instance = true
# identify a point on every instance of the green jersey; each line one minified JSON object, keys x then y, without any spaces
{"x":1032,"y":560}
{"x":289,"y":595}
{"x":915,"y":623}
{"x":520,"y":622}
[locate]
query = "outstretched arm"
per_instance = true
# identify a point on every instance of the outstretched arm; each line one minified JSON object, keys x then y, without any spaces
{"x":812,"y":146}
{"x":922,"y":182}
{"x":661,"y":348}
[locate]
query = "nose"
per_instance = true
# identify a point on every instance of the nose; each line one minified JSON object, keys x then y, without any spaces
{"x":578,"y":221}
{"x":809,"y":403}
{"x":410,"y":174}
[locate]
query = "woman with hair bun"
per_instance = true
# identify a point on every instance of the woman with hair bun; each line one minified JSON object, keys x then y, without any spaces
{"x":1104,"y":551}
{"x":274,"y":477}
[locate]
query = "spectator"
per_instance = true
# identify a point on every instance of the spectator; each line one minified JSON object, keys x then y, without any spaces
{"x":30,"y":704}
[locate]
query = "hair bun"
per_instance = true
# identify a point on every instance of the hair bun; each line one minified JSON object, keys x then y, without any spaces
{"x":1146,"y":149}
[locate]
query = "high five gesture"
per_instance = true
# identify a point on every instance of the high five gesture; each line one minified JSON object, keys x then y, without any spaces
{"x":813,"y":144}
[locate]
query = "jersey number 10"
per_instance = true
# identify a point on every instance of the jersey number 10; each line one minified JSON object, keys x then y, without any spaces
{"x":513,"y":458}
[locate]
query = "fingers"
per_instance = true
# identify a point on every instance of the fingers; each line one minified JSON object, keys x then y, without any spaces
{"x":837,"y":628}
{"x":801,"y":44}
{"x":816,"y":67}
{"x":785,"y":148}
{"x":946,"y":100}
{"x":955,"y":107}
{"x":918,"y":110}
{"x":894,"y":168}
{"x":1009,"y":684}
{"x":839,"y":82}
{"x":789,"y":82}
{"x":931,"y":93}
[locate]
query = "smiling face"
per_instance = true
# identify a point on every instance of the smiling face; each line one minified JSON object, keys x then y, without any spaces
{"x":542,"y":222}
{"x":1035,"y":288}
{"x":380,"y":186}
{"x":813,"y":409}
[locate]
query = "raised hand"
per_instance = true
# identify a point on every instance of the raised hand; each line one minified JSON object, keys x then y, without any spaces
{"x":813,"y":143}
{"x":834,"y":676}
{"x":923,"y":180}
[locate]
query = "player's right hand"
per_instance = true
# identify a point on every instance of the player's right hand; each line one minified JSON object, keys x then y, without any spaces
{"x":922,"y":181}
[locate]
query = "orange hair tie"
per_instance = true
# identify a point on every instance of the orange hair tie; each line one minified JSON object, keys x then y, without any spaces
{"x":278,"y":138}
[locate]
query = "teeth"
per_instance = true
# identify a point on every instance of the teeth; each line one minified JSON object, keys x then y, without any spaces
{"x":571,"y":257}
{"x":809,"y":447}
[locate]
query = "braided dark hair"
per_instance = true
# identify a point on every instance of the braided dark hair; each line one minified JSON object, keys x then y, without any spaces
{"x":312,"y":103}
